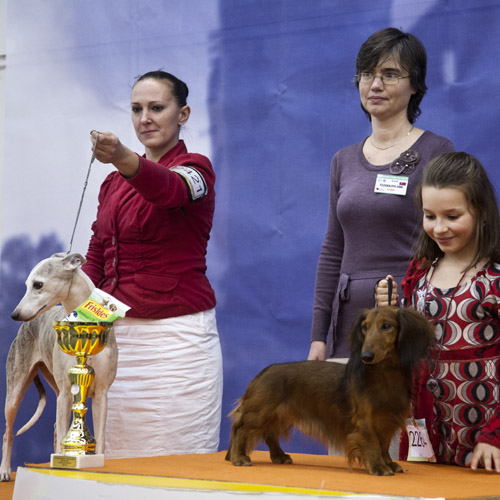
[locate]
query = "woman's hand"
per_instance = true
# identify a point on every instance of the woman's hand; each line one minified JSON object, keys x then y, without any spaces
{"x":486,"y":454}
{"x":382,"y":292}
{"x":108,"y":149}
{"x":317,"y":351}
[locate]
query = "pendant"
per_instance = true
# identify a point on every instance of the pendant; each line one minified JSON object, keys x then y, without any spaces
{"x":421,"y":296}
{"x":432,"y":384}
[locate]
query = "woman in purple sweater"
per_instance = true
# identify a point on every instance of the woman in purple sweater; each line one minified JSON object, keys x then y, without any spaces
{"x":372,"y":221}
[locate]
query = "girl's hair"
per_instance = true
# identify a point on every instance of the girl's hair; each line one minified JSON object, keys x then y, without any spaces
{"x":463,"y":172}
{"x":179,"y":88}
{"x":408,"y":51}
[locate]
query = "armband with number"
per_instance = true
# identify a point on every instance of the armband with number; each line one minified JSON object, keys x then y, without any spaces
{"x":197,"y":187}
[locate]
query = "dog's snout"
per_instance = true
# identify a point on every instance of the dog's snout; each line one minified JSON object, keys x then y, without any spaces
{"x":15,"y":315}
{"x":367,"y":357}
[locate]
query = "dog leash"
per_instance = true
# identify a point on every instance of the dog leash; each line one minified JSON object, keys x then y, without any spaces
{"x":389,"y":291}
{"x":83,"y":193}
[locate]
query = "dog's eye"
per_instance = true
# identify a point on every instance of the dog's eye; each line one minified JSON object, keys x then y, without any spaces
{"x":386,"y":326}
{"x":37,"y":285}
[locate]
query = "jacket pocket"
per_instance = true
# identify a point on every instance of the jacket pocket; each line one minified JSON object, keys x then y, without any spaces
{"x":155,"y":282}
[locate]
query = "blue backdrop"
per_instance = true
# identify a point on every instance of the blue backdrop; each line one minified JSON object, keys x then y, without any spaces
{"x":273,"y":99}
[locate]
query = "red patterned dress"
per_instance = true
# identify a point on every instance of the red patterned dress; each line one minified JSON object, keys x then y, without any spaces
{"x":461,"y":403}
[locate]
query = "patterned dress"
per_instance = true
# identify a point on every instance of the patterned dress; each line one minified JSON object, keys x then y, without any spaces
{"x":459,"y":393}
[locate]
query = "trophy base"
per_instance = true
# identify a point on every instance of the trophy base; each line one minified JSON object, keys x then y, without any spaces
{"x":60,"y":461}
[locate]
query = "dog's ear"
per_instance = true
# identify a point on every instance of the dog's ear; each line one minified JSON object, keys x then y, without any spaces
{"x":356,"y":337}
{"x":416,"y":336}
{"x":355,"y":368}
{"x":71,"y":262}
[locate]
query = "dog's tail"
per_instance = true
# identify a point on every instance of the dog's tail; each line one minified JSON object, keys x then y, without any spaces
{"x":42,"y":401}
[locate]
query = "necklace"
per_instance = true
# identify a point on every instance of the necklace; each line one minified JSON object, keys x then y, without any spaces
{"x":432,"y":383}
{"x":392,"y":145}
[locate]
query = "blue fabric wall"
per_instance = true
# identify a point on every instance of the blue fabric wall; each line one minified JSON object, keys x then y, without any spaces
{"x":282,"y":102}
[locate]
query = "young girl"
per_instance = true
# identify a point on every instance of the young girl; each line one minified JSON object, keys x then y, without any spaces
{"x":454,"y":280}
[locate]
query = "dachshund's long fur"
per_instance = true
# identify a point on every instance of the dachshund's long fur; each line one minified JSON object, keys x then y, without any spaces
{"x":356,"y":407}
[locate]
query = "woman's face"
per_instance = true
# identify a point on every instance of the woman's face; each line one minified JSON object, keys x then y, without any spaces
{"x":156,"y":116}
{"x":449,"y":221}
{"x":384,"y":101}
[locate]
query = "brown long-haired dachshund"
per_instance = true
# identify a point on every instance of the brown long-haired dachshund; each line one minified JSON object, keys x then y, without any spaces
{"x":356,"y":407}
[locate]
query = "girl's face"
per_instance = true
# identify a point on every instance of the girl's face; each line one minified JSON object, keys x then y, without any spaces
{"x":156,"y":116}
{"x":384,"y":101}
{"x":449,"y":221}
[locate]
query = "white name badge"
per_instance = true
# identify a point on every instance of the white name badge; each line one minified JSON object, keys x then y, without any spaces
{"x":391,"y":184}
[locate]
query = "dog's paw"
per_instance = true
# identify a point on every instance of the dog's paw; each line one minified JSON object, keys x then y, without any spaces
{"x":380,"y":469}
{"x":242,"y":461}
{"x":284,"y":458}
{"x":5,"y":476}
{"x":396,"y":467}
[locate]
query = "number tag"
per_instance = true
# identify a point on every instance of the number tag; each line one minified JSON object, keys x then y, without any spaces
{"x":419,"y":444}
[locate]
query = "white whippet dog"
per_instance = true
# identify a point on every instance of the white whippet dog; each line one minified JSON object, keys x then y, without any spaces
{"x":55,"y":280}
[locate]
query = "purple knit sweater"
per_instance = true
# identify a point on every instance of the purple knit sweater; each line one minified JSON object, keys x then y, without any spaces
{"x":368,"y":236}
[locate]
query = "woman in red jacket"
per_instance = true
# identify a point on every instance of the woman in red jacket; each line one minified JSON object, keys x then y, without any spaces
{"x":148,"y":250}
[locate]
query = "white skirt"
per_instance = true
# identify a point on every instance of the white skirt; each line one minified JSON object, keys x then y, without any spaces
{"x":167,"y":395}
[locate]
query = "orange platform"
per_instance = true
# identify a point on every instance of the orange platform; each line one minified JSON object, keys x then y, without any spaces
{"x":314,"y":475}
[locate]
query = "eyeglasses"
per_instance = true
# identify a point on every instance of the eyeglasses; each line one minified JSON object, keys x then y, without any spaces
{"x":387,"y":79}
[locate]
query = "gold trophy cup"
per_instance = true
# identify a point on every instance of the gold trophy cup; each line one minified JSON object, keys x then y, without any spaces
{"x":80,"y":339}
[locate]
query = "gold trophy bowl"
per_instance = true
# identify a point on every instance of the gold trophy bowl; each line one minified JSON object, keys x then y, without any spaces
{"x":80,"y":339}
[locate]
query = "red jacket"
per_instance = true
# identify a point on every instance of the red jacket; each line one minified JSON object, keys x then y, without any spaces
{"x":150,"y":236}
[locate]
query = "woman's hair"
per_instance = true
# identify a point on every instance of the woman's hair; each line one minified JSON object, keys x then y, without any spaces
{"x":179,"y":89}
{"x":463,"y":172}
{"x":408,"y":51}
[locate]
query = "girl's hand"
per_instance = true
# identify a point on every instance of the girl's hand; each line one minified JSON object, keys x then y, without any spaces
{"x":486,"y":454}
{"x":382,"y":292}
{"x":317,"y":351}
{"x":107,"y":148}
